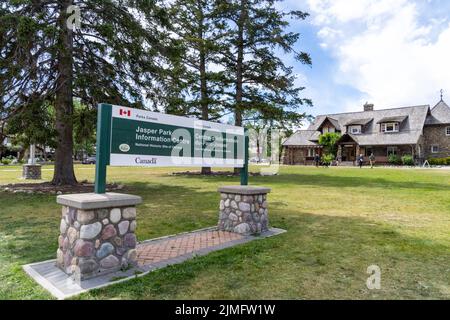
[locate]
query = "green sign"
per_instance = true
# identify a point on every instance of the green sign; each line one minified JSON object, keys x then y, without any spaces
{"x":133,"y":137}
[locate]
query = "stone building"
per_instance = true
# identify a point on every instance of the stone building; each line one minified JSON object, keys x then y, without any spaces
{"x":419,"y":131}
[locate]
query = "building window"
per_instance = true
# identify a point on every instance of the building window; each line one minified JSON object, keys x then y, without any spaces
{"x":355,"y":129}
{"x":328,"y":130}
{"x":311,"y":153}
{"x":435,"y":149}
{"x":391,"y":151}
{"x":447,"y":131}
{"x":390,"y":127}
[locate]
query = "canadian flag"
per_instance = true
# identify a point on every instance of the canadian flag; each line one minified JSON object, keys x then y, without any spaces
{"x":124,"y":112}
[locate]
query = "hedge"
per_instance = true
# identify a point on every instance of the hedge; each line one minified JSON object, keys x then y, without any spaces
{"x":439,"y":161}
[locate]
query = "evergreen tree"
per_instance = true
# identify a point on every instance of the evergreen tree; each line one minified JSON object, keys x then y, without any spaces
{"x":112,"y":58}
{"x":258,"y":78}
{"x":198,"y":29}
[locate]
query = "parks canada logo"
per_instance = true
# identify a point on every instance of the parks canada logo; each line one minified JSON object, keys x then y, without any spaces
{"x":124,"y":147}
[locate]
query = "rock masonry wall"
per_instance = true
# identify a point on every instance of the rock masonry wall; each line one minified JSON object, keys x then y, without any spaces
{"x":95,"y":242}
{"x":243,"y":214}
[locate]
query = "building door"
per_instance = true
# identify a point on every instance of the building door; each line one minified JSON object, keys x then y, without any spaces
{"x":349,"y":153}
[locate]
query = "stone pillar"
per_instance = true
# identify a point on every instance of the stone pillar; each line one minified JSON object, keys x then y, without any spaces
{"x":244,"y":209}
{"x":32,"y":159}
{"x":32,"y":171}
{"x":97,"y":234}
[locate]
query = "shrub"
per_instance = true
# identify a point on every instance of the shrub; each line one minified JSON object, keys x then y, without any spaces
{"x":408,"y":160}
{"x":6,"y":161}
{"x":328,"y":141}
{"x":394,"y":159}
{"x":439,"y":161}
{"x":327,"y":159}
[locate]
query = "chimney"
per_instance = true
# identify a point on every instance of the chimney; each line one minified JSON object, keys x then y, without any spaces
{"x":368,"y":107}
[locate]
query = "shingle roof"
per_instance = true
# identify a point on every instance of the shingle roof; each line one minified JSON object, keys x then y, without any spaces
{"x":410,"y":132}
{"x":440,"y":114}
{"x":361,"y":122}
{"x":334,"y":122}
{"x":303,"y":138}
{"x":393,"y":119}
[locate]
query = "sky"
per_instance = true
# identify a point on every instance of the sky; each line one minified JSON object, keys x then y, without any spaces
{"x":392,"y":53}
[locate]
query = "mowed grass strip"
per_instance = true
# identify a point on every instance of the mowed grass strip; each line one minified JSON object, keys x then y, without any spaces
{"x":339,"y":222}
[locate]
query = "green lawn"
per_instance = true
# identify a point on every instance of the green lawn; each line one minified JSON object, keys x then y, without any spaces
{"x":339,"y":221}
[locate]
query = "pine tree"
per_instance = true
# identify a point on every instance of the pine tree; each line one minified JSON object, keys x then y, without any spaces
{"x":198,"y":29}
{"x":259,"y":80}
{"x":112,"y":58}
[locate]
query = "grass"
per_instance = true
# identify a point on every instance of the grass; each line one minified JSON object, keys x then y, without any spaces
{"x":339,"y":222}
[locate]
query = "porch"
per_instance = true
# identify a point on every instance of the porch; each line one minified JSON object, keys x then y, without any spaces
{"x":349,"y":153}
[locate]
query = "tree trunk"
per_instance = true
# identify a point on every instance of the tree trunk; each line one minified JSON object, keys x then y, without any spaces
{"x":64,"y":171}
{"x":203,"y":81}
{"x":239,"y":69}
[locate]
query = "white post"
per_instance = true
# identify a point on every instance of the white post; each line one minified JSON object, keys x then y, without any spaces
{"x":32,"y":160}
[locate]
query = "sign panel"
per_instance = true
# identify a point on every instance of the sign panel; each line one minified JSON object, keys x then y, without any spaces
{"x":144,"y":138}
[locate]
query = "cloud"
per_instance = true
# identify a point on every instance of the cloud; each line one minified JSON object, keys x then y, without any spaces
{"x":394,"y":52}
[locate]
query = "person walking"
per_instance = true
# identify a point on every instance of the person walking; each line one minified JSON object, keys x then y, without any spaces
{"x":372,"y":160}
{"x":317,"y":160}
{"x":360,"y":160}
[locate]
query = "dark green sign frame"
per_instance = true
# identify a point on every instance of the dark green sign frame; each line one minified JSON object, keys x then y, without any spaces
{"x":103,"y":152}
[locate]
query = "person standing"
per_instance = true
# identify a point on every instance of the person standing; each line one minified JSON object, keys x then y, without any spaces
{"x":360,"y":161}
{"x":372,"y":160}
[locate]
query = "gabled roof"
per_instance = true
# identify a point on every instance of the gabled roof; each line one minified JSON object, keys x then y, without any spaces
{"x":440,"y":114}
{"x":412,"y":128}
{"x":334,"y":122}
{"x":304,"y":138}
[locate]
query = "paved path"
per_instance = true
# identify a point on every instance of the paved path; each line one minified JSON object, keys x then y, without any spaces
{"x":177,"y":247}
{"x":152,"y":255}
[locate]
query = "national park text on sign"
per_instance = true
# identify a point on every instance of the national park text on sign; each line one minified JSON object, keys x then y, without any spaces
{"x":144,"y":138}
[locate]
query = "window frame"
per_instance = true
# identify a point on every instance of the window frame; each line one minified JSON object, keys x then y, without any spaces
{"x":447,"y":131}
{"x":395,"y":149}
{"x":395,"y":126}
{"x":358,"y":129}
{"x":434,"y":146}
{"x":311,"y":150}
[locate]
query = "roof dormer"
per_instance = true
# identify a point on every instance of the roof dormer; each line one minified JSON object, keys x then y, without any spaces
{"x":391,"y":124}
{"x":357,"y":126}
{"x":329,"y":125}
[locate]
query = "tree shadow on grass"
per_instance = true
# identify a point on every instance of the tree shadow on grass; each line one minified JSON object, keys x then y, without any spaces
{"x":30,"y":223}
{"x":324,"y":180}
{"x":319,"y":257}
